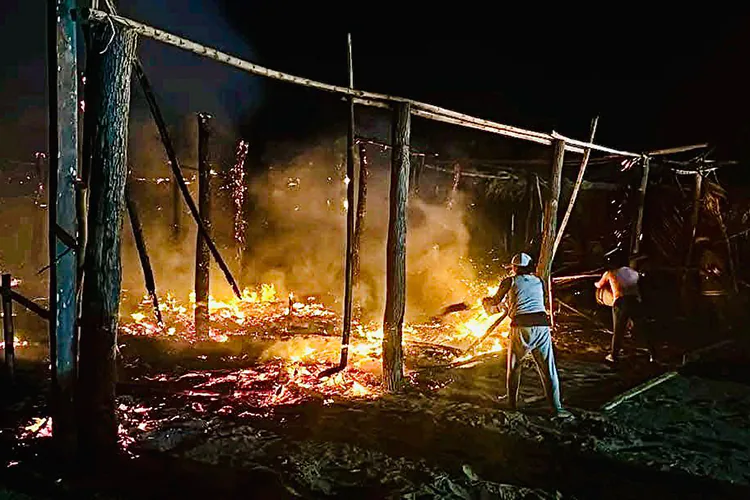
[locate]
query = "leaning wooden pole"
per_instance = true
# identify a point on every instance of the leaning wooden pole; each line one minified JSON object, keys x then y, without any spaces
{"x":63,"y":169}
{"x":359,"y":228}
{"x":8,"y":330}
{"x":177,"y":173}
{"x":110,"y":68}
{"x":395,"y":298}
{"x":576,"y":189}
{"x":202,"y":256}
{"x":140,"y":245}
{"x":549,"y":224}
{"x":635,"y":246}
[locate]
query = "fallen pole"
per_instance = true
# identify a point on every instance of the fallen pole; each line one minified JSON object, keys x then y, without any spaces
{"x":8,"y":330}
{"x":175,"y":166}
{"x":140,"y":245}
{"x":617,"y":401}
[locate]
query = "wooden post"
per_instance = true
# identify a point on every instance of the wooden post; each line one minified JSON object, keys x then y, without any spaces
{"x":109,"y":67}
{"x":63,"y":169}
{"x":635,"y":246}
{"x":350,"y":208}
{"x":694,"y":217}
{"x":140,"y":245}
{"x":395,"y":299}
{"x":8,"y":330}
{"x":417,"y":174}
{"x":544,"y":266}
{"x":202,"y":257}
{"x":549,"y":224}
{"x":576,"y":188}
{"x":177,"y":173}
{"x":359,"y":228}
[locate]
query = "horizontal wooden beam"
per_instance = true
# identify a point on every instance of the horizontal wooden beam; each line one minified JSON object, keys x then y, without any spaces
{"x":680,"y":149}
{"x":360,"y":97}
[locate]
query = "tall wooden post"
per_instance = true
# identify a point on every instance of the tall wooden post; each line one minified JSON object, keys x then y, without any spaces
{"x":202,"y":256}
{"x":530,"y":210}
{"x":63,"y":170}
{"x":8,"y":330}
{"x":109,"y":71}
{"x":364,"y":173}
{"x":544,"y":266}
{"x":350,"y":208}
{"x":635,"y":246}
{"x":694,"y":217}
{"x":395,"y":298}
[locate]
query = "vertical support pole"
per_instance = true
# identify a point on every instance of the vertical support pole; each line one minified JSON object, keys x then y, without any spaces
{"x":635,"y":246}
{"x":202,"y":256}
{"x":8,"y":330}
{"x":364,"y":173}
{"x":37,"y":257}
{"x":417,"y":174}
{"x":350,"y":208}
{"x":63,"y":171}
{"x":544,"y":266}
{"x":395,"y":299}
{"x":109,"y":69}
{"x":694,"y":217}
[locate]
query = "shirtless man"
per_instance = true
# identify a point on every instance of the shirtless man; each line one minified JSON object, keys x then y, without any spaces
{"x":623,"y":282}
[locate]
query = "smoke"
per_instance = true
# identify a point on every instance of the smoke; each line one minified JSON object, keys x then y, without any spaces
{"x":296,"y":233}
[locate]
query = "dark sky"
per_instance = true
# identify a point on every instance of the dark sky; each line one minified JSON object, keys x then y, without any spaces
{"x":655,"y":81}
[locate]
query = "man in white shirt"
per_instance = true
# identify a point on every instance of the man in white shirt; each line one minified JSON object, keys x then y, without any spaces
{"x":530,"y":331}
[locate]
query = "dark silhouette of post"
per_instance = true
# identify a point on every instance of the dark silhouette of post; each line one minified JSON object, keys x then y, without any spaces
{"x":202,"y":255}
{"x":108,"y":73}
{"x":395,"y":299}
{"x":62,"y":49}
{"x":8,"y":330}
{"x":635,"y":246}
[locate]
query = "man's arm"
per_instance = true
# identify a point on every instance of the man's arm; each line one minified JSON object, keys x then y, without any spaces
{"x":603,"y":281}
{"x":501,"y":292}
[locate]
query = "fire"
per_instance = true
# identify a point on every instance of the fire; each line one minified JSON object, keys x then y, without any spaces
{"x":17,"y":342}
{"x":301,"y":341}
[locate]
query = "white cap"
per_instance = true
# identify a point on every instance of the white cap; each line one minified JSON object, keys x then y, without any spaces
{"x":521,"y":260}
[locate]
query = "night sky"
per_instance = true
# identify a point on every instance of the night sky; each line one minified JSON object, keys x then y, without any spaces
{"x":656,"y":83}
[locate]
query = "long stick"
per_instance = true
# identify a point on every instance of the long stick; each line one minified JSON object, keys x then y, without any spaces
{"x":576,"y":188}
{"x":140,"y":245}
{"x":175,"y":166}
{"x":361,"y":97}
{"x":364,"y":173}
{"x":638,"y":390}
{"x":487,"y":333}
{"x":636,"y":242}
{"x":30,"y":305}
{"x":8,"y":331}
{"x":583,"y":315}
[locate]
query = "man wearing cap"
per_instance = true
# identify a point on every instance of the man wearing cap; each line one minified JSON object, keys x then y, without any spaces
{"x":529,"y":331}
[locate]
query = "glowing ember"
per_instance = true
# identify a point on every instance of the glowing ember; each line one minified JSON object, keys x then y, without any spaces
{"x":36,"y":428}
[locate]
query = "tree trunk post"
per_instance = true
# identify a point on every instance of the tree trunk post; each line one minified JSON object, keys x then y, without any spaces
{"x":359,"y":229}
{"x":109,"y":71}
{"x":202,"y":256}
{"x":8,"y":330}
{"x":635,"y":246}
{"x":546,"y":255}
{"x":544,"y":266}
{"x":694,"y":218}
{"x":62,"y":228}
{"x":395,"y":300}
{"x":140,"y":245}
